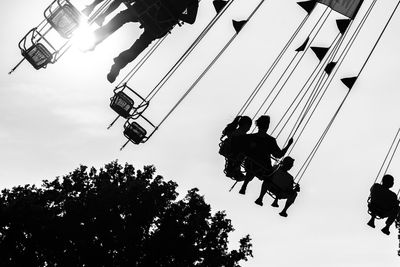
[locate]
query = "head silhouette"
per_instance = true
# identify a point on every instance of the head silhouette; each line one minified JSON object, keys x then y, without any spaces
{"x":287,"y":163}
{"x":263,"y":123}
{"x":387,"y":180}
{"x":245,"y":123}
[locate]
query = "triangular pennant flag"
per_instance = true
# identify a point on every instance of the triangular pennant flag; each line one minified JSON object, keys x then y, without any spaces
{"x":320,"y":52}
{"x":342,"y":25}
{"x":219,"y":5}
{"x":329,"y":67}
{"x":303,"y":46}
{"x":349,"y":82}
{"x":238,"y":25}
{"x":308,"y":6}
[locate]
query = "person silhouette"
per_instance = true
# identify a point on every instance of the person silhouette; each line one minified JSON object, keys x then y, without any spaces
{"x":163,"y":14}
{"x":281,"y":184}
{"x":383,"y":203}
{"x":111,"y":8}
{"x":230,"y":146}
{"x":258,"y":150}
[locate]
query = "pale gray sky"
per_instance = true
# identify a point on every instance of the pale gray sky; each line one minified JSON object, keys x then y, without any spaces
{"x":54,"y":119}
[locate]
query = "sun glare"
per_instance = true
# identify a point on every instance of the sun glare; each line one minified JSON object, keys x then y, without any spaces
{"x":84,"y":38}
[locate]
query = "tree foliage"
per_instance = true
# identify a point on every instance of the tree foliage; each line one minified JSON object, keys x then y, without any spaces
{"x":117,"y":216}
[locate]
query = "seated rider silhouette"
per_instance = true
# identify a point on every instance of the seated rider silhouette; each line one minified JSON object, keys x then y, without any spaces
{"x":113,"y":6}
{"x":383,"y":203}
{"x":281,"y":184}
{"x":230,"y":146}
{"x":258,"y":150}
{"x":163,"y":14}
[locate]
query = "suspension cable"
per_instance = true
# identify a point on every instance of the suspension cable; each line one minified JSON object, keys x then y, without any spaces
{"x":379,"y":38}
{"x":391,"y":158}
{"x":266,"y":99}
{"x":168,"y":75}
{"x":342,"y":56}
{"x":272,"y":67}
{"x":311,"y":156}
{"x":314,"y":94}
{"x":319,"y":68}
{"x":340,"y":60}
{"x":386,"y":157}
{"x":140,"y":63}
{"x":335,"y":51}
{"x":208,"y":67}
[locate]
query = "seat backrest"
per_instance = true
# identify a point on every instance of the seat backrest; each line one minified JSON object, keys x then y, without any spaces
{"x":65,"y":20}
{"x":38,"y":55}
{"x":122,"y":104}
{"x":134,"y":132}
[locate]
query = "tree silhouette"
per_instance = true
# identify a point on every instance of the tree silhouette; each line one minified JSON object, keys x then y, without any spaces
{"x":116,"y":216}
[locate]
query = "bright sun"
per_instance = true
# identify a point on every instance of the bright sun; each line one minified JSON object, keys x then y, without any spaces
{"x":84,"y":38}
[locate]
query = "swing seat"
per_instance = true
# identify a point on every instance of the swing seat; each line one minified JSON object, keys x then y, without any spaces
{"x":65,"y":19}
{"x":135,"y":133}
{"x":225,"y":147}
{"x":122,"y":104}
{"x":276,"y":192}
{"x":256,"y":169}
{"x":233,"y":168}
{"x":281,"y":185}
{"x":38,"y":55}
{"x":379,"y":211}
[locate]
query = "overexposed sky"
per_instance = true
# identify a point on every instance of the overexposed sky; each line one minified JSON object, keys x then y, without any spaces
{"x":54,"y":119}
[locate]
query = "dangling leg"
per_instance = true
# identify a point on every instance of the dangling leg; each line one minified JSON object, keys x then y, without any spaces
{"x":275,"y":203}
{"x":249,"y":176}
{"x":88,"y":9}
{"x":390,"y":220}
{"x":289,"y":201}
{"x":371,"y":222}
{"x":129,"y":55}
{"x":112,"y":7}
{"x":264,"y":189}
{"x":247,"y":180}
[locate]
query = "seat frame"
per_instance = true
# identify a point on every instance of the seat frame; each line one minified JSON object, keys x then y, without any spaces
{"x":130,"y":121}
{"x":35,"y":39}
{"x":136,"y":111}
{"x":275,"y":191}
{"x":58,"y":6}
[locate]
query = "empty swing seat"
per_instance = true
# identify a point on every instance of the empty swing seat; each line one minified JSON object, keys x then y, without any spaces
{"x":38,"y":55}
{"x":135,"y":133}
{"x":122,"y":104}
{"x":65,"y":19}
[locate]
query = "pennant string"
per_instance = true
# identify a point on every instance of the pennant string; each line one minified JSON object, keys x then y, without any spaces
{"x":386,"y":157}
